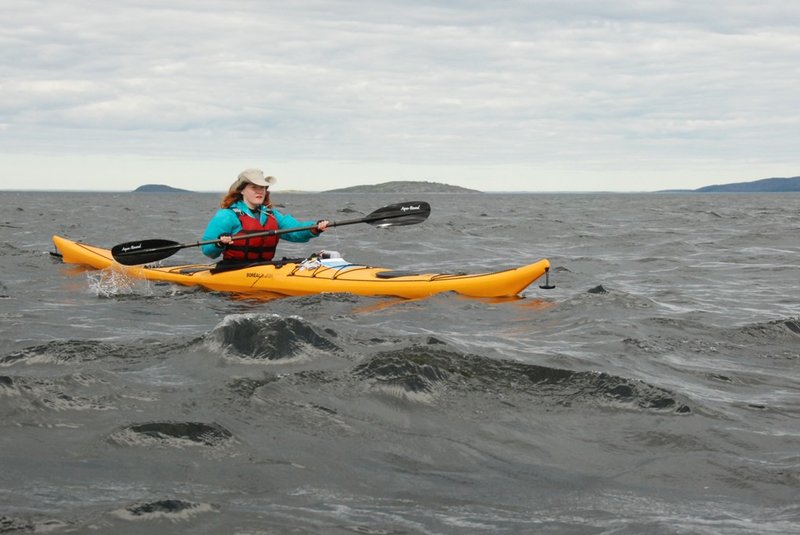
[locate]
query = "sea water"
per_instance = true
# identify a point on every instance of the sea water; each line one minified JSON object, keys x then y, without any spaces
{"x":654,"y":390}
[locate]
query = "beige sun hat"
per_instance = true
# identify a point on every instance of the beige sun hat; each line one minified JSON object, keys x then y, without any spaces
{"x":252,"y":176}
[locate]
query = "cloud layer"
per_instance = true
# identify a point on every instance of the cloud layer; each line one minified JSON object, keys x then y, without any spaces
{"x":530,"y":95}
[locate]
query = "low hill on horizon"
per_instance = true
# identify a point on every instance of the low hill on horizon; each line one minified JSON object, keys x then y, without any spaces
{"x":404,"y":186}
{"x":159,"y":188}
{"x":764,"y":185}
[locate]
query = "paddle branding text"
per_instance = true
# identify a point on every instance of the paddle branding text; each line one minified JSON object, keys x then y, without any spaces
{"x":407,"y":208}
{"x":131,"y":247}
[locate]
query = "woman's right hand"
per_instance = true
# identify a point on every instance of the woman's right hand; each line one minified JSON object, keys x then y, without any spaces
{"x":225,"y":240}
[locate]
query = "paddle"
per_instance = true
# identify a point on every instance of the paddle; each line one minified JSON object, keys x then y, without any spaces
{"x":147,"y":251}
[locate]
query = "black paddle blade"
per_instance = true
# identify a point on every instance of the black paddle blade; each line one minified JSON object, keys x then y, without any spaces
{"x":403,"y":213}
{"x":144,"y":251}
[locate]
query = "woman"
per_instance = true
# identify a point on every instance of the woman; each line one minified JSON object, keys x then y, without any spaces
{"x":246,"y":209}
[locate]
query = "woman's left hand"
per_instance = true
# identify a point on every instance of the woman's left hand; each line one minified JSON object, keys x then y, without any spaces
{"x":322,"y":224}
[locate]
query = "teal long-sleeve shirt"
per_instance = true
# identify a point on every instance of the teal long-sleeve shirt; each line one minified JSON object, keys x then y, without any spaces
{"x":225,"y":221}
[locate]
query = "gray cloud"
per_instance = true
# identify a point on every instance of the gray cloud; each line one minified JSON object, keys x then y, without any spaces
{"x":575,"y":87}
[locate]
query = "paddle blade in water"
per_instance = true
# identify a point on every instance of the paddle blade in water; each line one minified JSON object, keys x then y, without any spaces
{"x":144,"y":251}
{"x":405,"y":213}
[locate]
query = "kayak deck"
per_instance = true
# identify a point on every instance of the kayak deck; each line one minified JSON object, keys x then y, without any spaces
{"x":303,"y":278}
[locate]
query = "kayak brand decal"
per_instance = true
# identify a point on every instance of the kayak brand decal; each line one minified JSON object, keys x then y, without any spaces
{"x":257,"y":275}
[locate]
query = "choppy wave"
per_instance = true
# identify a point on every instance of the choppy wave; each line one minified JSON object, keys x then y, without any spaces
{"x":9,"y":524}
{"x":172,"y":434}
{"x":174,"y":510}
{"x":422,"y":368}
{"x":788,"y":329}
{"x":25,"y":394}
{"x":77,"y":352}
{"x":270,"y":337}
{"x":64,"y":352}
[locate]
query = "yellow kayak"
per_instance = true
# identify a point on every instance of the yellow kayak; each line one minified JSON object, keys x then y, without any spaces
{"x":312,"y":276}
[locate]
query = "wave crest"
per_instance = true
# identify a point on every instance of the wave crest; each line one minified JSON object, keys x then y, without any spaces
{"x":425,"y":369}
{"x":172,"y":434}
{"x":270,"y":337}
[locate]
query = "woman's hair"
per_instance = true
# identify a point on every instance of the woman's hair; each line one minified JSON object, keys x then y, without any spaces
{"x":230,"y":198}
{"x":236,"y":195}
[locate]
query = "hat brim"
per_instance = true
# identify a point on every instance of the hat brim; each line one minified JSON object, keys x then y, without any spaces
{"x":242,"y":181}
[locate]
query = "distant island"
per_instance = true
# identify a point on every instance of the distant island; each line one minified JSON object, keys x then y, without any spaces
{"x":764,"y":185}
{"x":159,"y":188}
{"x":404,"y":186}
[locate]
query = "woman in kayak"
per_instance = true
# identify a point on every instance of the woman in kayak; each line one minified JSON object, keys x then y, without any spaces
{"x":246,"y":209}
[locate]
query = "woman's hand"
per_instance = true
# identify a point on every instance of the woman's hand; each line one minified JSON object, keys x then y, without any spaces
{"x":224,"y":240}
{"x":322,"y":224}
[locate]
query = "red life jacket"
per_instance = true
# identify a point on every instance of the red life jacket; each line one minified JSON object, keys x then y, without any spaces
{"x":258,"y":248}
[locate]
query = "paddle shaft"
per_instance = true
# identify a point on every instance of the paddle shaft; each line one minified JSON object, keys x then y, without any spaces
{"x":146,"y":251}
{"x":277,"y":232}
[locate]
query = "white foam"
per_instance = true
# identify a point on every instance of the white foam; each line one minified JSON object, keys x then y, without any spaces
{"x":112,"y":282}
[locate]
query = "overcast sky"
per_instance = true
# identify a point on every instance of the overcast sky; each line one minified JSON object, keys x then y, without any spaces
{"x":496,"y":95}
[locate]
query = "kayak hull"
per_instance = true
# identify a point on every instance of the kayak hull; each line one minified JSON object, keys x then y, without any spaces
{"x":293,"y":279}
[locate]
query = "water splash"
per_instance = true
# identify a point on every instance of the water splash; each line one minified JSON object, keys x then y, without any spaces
{"x":112,"y":282}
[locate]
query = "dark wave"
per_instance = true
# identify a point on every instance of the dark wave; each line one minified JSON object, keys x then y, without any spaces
{"x":69,"y":351}
{"x":30,"y":394}
{"x":19,"y":525}
{"x":245,"y":387}
{"x":172,"y":509}
{"x":172,"y":434}
{"x":607,"y":295}
{"x":417,"y":372}
{"x":793,"y":325}
{"x":423,"y":368}
{"x":270,"y":337}
{"x":770,"y":339}
{"x":81,"y":351}
{"x":12,"y":249}
{"x":788,"y":328}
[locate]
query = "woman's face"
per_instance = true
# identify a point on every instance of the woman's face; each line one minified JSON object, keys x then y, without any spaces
{"x":254,"y":195}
